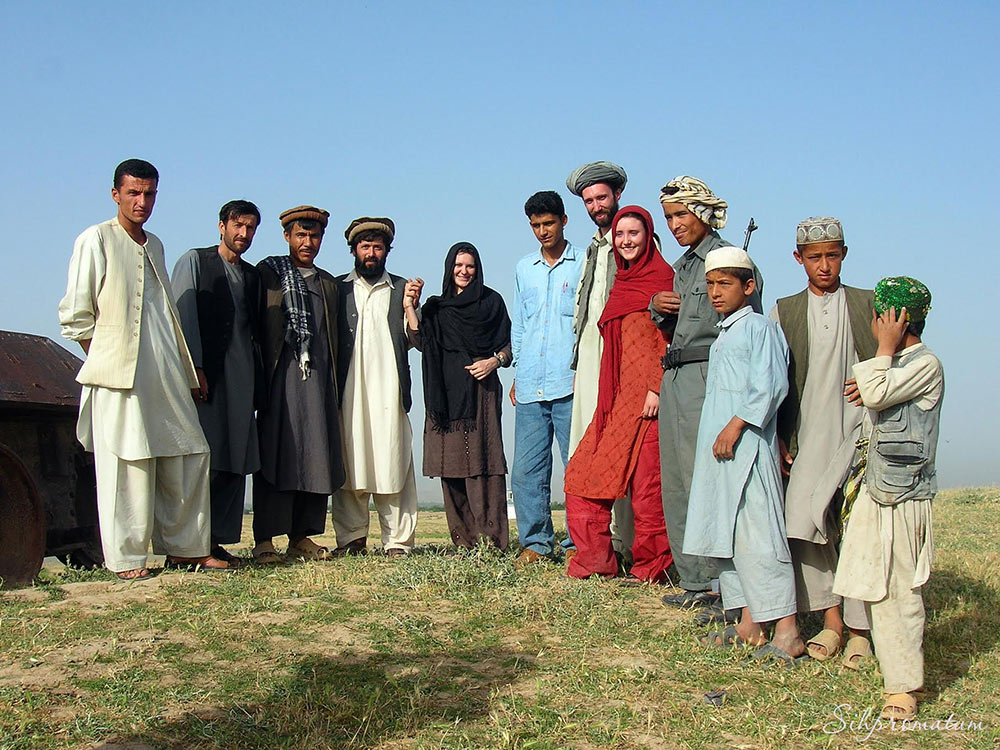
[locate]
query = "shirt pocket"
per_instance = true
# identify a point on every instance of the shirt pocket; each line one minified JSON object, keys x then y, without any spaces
{"x":698,"y":306}
{"x":731,"y":369}
{"x":529,"y":302}
{"x":567,"y":301}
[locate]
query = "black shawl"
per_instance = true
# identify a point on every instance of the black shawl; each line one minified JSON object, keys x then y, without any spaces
{"x":456,"y":330}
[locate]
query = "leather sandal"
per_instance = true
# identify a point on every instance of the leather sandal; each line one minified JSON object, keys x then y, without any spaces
{"x":265,"y":554}
{"x":307,"y":549}
{"x":855,"y":652}
{"x":824,"y":645}
{"x":137,"y":574}
{"x":899,"y":706}
{"x":197,"y":564}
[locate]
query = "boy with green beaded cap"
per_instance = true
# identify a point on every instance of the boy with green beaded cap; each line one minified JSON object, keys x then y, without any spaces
{"x":886,"y":554}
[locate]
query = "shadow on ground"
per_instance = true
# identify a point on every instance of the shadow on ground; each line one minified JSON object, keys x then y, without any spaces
{"x":953,"y":640}
{"x":349,"y":701}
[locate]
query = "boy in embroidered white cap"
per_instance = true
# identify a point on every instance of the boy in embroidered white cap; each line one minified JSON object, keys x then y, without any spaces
{"x":735,"y":511}
{"x":828,"y":329}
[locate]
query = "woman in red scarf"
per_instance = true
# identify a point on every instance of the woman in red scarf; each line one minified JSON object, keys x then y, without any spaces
{"x":619,"y":453}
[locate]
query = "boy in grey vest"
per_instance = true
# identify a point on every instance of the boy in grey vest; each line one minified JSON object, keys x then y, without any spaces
{"x":886,"y":555}
{"x":828,"y":330}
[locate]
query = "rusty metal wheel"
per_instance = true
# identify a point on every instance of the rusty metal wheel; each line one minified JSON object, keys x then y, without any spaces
{"x":22,"y":523}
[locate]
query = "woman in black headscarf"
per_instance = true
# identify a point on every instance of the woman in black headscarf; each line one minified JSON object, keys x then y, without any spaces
{"x":464,"y":335}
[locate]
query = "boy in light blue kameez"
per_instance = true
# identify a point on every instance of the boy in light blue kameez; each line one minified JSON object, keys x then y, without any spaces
{"x":735,"y":510}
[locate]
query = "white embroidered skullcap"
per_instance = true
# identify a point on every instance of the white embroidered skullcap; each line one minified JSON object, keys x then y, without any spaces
{"x":819,"y":229}
{"x":727,"y":257}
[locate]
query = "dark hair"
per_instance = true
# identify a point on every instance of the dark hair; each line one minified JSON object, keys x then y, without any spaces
{"x":141,"y":170}
{"x":370,"y":235}
{"x":743,"y":275}
{"x":544,"y":202}
{"x":306,"y":224}
{"x":233,"y":209}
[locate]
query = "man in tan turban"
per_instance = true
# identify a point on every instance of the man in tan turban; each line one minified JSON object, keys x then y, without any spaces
{"x":694,"y":215}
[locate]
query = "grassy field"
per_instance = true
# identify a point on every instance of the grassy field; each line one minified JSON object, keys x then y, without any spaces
{"x":441,"y":651}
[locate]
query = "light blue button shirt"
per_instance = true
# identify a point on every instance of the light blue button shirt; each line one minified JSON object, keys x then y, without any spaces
{"x":541,"y":333}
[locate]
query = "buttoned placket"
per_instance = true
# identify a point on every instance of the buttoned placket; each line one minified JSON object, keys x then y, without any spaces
{"x":142,"y":277}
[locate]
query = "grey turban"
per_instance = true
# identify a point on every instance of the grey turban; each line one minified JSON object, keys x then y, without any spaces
{"x":583,"y":177}
{"x":696,"y":196}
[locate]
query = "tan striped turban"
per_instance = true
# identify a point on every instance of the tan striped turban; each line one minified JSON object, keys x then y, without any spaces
{"x":698,"y":198}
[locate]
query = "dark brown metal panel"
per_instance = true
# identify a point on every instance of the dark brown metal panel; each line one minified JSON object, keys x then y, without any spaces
{"x":35,"y":370}
{"x":22,"y":523}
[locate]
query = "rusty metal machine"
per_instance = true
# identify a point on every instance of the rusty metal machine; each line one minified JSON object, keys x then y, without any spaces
{"x":48,"y":491}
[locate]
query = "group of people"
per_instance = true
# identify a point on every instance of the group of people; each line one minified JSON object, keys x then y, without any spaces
{"x":765,"y":466}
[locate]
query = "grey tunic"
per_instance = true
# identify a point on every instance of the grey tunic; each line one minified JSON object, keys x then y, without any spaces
{"x":300,"y":429}
{"x":227,"y":418}
{"x":829,"y":424}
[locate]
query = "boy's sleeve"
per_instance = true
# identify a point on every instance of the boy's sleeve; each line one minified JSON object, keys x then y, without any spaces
{"x":883,"y":383}
{"x":516,"y":321}
{"x":767,"y":384}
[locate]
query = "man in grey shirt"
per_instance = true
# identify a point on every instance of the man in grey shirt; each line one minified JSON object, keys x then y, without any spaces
{"x":218,"y":297}
{"x":694,"y":214}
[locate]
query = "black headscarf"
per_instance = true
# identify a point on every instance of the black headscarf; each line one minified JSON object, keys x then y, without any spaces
{"x":457,"y":329}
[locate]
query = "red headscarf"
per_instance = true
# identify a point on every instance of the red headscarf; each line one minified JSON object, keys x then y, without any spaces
{"x":635,"y":284}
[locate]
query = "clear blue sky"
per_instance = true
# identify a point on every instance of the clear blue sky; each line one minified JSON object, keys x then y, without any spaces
{"x":446,"y":116}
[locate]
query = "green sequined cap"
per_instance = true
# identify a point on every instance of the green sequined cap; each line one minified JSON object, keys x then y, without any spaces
{"x":902,"y":291}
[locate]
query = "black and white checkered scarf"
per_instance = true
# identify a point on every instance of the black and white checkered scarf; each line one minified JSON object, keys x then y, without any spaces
{"x":298,"y":311}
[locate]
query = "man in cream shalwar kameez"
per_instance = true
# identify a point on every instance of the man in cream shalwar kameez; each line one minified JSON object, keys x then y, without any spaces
{"x":377,"y":438}
{"x":136,"y":409}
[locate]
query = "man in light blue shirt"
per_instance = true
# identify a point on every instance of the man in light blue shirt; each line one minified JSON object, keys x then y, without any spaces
{"x":542,"y":340}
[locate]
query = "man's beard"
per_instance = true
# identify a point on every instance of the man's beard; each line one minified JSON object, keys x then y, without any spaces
{"x":233,"y":249}
{"x":369,"y":273}
{"x":611,"y":218}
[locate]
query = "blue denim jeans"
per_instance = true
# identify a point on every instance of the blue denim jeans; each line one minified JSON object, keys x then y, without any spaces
{"x":535,"y":424}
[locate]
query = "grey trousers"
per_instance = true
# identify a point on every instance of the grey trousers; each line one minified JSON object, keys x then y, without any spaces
{"x":815,"y":566}
{"x":682,"y":393}
{"x":623,"y":528}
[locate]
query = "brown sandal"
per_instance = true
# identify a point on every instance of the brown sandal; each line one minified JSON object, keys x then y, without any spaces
{"x":307,"y":549}
{"x":265,"y":554}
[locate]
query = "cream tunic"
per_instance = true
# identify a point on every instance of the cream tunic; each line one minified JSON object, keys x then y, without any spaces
{"x":157,"y":416}
{"x":829,"y":424}
{"x":588,"y":363}
{"x":378,"y":441}
{"x":877,"y":535}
